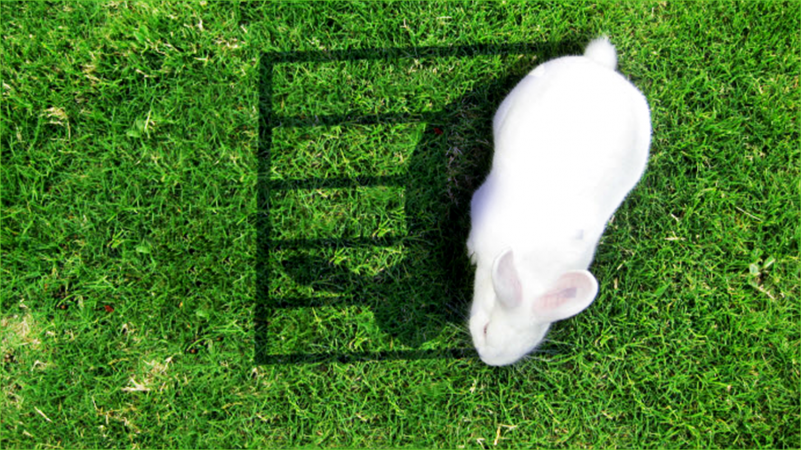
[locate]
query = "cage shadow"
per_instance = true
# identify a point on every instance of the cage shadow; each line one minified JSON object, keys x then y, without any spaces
{"x":438,"y":186}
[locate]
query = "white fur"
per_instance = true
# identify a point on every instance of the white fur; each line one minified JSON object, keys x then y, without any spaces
{"x":571,"y":140}
{"x":603,"y":52}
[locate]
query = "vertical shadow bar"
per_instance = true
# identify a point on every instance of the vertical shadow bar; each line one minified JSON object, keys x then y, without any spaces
{"x":266,"y":125}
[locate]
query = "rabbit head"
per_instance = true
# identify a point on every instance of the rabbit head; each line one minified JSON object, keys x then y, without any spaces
{"x":513,"y":308}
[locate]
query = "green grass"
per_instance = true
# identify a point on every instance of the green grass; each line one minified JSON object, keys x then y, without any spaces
{"x":149,"y":301}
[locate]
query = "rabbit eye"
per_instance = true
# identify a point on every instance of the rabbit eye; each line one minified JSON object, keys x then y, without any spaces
{"x":485,"y":328}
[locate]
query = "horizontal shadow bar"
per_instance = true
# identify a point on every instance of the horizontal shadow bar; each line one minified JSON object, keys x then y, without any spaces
{"x":308,"y":302}
{"x":336,"y":183}
{"x":351,"y":119}
{"x":283,"y":244}
{"x":405,"y":52}
{"x":392,"y":355}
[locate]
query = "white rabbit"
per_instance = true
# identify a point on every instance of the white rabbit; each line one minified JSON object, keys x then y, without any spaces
{"x":571,"y":140}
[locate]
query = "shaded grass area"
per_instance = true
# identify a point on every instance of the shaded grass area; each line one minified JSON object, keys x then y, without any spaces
{"x":131,"y":271}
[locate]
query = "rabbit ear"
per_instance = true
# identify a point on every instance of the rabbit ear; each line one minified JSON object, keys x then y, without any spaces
{"x":506,"y":281}
{"x":571,"y":293}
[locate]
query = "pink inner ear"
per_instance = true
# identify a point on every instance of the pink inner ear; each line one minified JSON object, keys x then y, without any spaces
{"x":570,"y":294}
{"x":555,"y":298}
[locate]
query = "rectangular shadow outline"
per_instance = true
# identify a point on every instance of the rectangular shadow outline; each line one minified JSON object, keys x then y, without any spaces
{"x":268,"y":121}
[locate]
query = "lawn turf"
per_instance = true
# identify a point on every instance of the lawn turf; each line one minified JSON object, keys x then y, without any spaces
{"x":197,"y":252}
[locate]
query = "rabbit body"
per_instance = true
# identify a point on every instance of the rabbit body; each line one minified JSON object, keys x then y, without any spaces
{"x":571,"y":140}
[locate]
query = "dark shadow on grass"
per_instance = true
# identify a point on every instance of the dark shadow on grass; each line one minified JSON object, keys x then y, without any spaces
{"x":412,"y":300}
